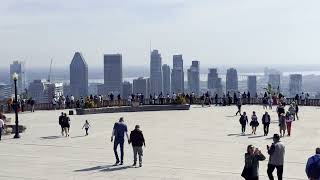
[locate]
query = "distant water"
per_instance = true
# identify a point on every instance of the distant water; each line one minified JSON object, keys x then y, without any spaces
{"x":204,"y":77}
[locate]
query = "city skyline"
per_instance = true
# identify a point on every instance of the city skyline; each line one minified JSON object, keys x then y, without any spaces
{"x":229,"y":39}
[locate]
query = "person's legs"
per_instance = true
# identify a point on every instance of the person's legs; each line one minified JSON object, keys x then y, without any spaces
{"x":115,"y":145}
{"x":270,"y":171}
{"x":243,"y":128}
{"x":267,"y":129}
{"x":121,"y":151}
{"x":62,"y":130}
{"x":0,"y":133}
{"x":135,"y":152}
{"x":140,"y":152}
{"x":279,"y":172}
{"x":289,"y":128}
{"x":86,"y":131}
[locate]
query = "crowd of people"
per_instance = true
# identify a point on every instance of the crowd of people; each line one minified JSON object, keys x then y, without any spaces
{"x":276,"y":150}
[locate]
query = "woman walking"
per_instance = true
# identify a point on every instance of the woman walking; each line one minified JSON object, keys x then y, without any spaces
{"x":282,"y":124}
{"x":289,"y":119}
{"x":254,"y":122}
{"x":251,"y":167}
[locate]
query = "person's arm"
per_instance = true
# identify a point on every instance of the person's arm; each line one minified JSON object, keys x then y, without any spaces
{"x":261,"y":157}
{"x":271,"y":149}
{"x":113,"y":132}
{"x":144,"y":142}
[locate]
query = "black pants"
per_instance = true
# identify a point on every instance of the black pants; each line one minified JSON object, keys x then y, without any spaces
{"x":86,"y":130}
{"x":0,"y":133}
{"x":115,"y":146}
{"x":271,"y":169}
{"x":243,"y":128}
{"x":253,"y":178}
{"x":266,"y":129}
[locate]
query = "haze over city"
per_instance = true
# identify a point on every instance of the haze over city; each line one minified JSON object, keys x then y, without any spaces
{"x":213,"y":32}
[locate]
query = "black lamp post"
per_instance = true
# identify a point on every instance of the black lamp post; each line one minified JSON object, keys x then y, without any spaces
{"x":15,"y":78}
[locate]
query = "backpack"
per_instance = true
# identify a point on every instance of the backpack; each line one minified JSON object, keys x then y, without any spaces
{"x":315,"y":169}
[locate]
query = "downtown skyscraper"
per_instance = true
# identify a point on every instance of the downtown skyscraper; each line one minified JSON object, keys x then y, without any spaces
{"x":19,"y":68}
{"x":112,"y":74}
{"x":177,"y":75}
{"x":214,"y":82}
{"x":232,"y":81}
{"x":156,"y":86}
{"x":295,"y":84}
{"x":252,"y":85}
{"x":78,"y":76}
{"x":194,"y":78}
{"x":166,"y":79}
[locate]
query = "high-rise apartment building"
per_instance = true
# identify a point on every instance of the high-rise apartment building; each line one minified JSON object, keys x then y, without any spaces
{"x":78,"y":76}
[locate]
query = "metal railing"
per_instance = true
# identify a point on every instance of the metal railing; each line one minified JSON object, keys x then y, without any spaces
{"x":196,"y":101}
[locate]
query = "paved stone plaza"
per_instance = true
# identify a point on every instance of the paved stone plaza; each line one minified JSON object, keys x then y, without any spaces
{"x":203,"y":143}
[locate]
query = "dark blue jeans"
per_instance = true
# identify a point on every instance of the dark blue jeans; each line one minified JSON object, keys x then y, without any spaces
{"x":115,"y":146}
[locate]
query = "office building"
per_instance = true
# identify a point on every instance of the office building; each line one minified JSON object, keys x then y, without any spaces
{"x":155,"y":73}
{"x":43,"y":91}
{"x":252,"y":85}
{"x":78,"y":76}
{"x":5,"y":91}
{"x":126,"y":89}
{"x":214,"y":82}
{"x":232,"y":81}
{"x":166,"y":79}
{"x":140,"y":86}
{"x":177,"y":75}
{"x":274,"y":81}
{"x":194,"y":78}
{"x":112,"y":74}
{"x":19,"y":68}
{"x":295,"y":84}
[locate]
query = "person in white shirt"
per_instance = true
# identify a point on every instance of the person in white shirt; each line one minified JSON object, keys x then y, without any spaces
{"x":86,"y":126}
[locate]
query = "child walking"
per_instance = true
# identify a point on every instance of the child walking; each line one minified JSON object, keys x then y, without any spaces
{"x":86,"y":126}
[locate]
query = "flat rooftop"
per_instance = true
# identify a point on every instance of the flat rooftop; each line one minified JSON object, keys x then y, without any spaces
{"x":202,"y":143}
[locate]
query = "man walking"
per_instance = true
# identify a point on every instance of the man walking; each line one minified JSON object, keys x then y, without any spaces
{"x":61,"y":118}
{"x":276,"y":159}
{"x":137,"y":140}
{"x":239,"y":104}
{"x":313,"y":166}
{"x":243,"y":121}
{"x":266,"y":122}
{"x":119,"y":130}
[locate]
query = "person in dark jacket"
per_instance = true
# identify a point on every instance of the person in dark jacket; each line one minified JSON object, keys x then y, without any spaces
{"x":243,"y":121}
{"x":252,"y":158}
{"x":266,"y":122}
{"x":137,"y":140}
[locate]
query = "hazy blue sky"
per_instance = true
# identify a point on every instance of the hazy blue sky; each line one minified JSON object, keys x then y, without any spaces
{"x":212,"y":31}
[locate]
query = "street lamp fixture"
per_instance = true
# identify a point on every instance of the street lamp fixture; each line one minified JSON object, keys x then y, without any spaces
{"x":15,"y":77}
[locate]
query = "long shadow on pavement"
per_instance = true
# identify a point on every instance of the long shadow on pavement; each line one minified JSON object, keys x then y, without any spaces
{"x":115,"y":168}
{"x":50,"y":137}
{"x":94,"y":168}
{"x":256,"y":136}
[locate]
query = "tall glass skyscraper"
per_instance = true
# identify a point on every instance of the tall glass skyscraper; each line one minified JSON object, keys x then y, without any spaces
{"x":155,"y":73}
{"x":19,"y":68}
{"x":113,"y":73}
{"x":166,"y":79}
{"x":177,"y":75}
{"x":78,"y":76}
{"x":194,"y":78}
{"x":232,"y":81}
